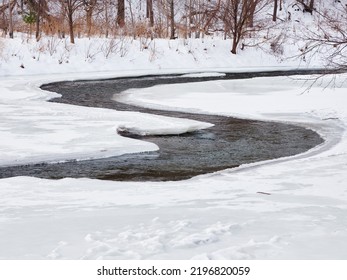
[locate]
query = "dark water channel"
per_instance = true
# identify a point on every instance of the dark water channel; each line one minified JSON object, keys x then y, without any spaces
{"x":230,"y":143}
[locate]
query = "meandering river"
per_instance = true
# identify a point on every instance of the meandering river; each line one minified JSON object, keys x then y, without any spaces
{"x":230,"y":143}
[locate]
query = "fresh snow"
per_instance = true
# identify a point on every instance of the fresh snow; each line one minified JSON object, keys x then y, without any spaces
{"x":25,"y":56}
{"x":289,"y":208}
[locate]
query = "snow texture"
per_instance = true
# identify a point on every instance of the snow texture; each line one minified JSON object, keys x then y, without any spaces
{"x":289,"y":208}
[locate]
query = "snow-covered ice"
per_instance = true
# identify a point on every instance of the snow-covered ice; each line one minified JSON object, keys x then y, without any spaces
{"x":33,"y":130}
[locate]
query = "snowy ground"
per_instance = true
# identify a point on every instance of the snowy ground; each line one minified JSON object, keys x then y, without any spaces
{"x":292,"y":208}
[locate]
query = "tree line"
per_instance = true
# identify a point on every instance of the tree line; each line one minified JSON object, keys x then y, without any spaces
{"x":171,"y":19}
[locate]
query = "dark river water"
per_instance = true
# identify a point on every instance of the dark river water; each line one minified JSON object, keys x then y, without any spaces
{"x":230,"y":143}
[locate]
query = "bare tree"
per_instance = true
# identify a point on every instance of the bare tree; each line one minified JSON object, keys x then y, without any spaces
{"x":121,"y":13}
{"x":149,"y":12}
{"x":70,"y":7}
{"x":172,"y":19}
{"x":252,"y":6}
{"x":238,"y":16}
{"x":161,"y":17}
{"x":189,"y":18}
{"x":4,"y":6}
{"x":203,"y":15}
{"x":89,"y":7}
{"x":38,"y":19}
{"x":329,"y":38}
{"x":10,"y":7}
{"x":106,"y":8}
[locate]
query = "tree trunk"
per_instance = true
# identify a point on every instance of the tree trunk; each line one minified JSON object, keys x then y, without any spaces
{"x":225,"y":21}
{"x":190,"y":21}
{"x":61,"y":27}
{"x":132,"y":20}
{"x":149,"y":12}
{"x":274,"y":15}
{"x":89,"y":16}
{"x":121,"y":14}
{"x":106,"y":6}
{"x":10,"y":19}
{"x":251,"y":6}
{"x":234,"y":47}
{"x":38,"y":18}
{"x":172,"y":20}
{"x":72,"y":36}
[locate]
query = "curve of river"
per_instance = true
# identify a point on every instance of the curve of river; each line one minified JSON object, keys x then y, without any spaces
{"x":230,"y":143}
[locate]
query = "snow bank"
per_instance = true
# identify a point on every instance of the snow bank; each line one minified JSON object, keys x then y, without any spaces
{"x":24,"y":56}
